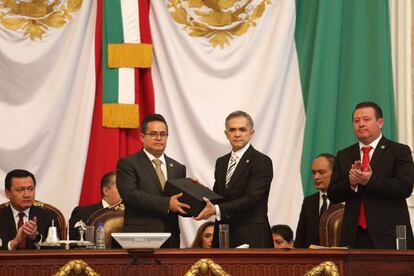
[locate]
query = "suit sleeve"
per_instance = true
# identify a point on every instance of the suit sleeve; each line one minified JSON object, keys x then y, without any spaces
{"x":257,"y":189}
{"x":401,"y":184}
{"x":5,"y":240}
{"x":74,"y":218}
{"x":128,"y":186}
{"x":301,"y":229}
{"x":339,"y":189}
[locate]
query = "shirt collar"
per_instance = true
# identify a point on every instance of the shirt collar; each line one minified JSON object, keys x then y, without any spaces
{"x":241,"y":151}
{"x":105,"y":204}
{"x":16,"y":213}
{"x":152,"y":157}
{"x":373,"y":144}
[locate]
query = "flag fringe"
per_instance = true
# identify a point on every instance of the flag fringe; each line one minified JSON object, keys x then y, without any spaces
{"x":130,"y":55}
{"x":120,"y":116}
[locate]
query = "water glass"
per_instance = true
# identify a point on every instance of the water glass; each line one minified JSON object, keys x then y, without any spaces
{"x":90,"y":233}
{"x":224,"y":239}
{"x":401,"y":237}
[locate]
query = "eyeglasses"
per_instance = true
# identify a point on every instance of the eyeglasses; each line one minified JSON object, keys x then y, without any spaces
{"x":154,"y":134}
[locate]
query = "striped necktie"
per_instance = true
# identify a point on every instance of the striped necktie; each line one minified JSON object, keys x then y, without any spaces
{"x":232,"y":167}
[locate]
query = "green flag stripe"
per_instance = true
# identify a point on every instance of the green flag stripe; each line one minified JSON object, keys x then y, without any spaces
{"x":344,"y":53}
{"x":112,"y":33}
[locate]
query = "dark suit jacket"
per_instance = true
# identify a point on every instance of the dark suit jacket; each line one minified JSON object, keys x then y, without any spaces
{"x":307,"y":232}
{"x":245,"y":200}
{"x":146,"y":208}
{"x":8,"y":226}
{"x":81,"y":213}
{"x":384,"y":196}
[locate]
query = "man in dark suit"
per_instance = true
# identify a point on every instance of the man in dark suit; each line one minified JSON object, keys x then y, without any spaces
{"x":110,"y":196}
{"x":313,"y":206}
{"x":373,"y":177}
{"x":21,"y":223}
{"x":243,"y":178}
{"x":141,"y":178}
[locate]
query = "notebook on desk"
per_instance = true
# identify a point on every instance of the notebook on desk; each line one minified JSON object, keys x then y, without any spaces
{"x":141,"y":240}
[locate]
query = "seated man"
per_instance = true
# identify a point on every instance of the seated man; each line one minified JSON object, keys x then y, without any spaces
{"x":315,"y":205}
{"x":282,"y":236}
{"x":23,"y":224}
{"x":110,"y":196}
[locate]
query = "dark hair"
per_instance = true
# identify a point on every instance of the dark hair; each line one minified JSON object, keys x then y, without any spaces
{"x":377,"y":108}
{"x":18,"y":173}
{"x":152,"y":118}
{"x":237,"y":114}
{"x":197,"y":243}
{"x":106,"y":180}
{"x":329,"y":157}
{"x":283,"y":230}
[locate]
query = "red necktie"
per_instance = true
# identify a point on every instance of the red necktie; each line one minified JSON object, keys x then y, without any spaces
{"x":22,"y":244}
{"x":365,"y":161}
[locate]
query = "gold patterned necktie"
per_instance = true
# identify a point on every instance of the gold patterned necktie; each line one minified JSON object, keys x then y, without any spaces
{"x":160,"y":174}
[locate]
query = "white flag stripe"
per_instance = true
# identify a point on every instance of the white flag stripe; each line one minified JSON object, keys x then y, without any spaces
{"x":130,"y":25}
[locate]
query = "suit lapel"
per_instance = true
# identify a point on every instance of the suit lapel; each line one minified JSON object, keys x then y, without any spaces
{"x":147,"y":163}
{"x":171,"y":169}
{"x":222,"y":171}
{"x":9,"y":220}
{"x":355,"y":154}
{"x":243,"y":163}
{"x":379,"y":151}
{"x":315,"y":206}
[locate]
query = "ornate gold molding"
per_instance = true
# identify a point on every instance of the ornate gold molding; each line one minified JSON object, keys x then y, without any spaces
{"x":325,"y":268}
{"x":77,"y":266}
{"x":203,"y":266}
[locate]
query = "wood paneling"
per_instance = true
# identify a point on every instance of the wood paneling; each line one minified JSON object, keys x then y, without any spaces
{"x":241,"y":262}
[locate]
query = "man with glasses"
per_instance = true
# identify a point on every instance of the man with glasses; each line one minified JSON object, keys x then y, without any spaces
{"x":141,"y":178}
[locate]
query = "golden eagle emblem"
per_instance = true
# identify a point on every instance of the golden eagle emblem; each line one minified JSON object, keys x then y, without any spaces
{"x":35,"y":17}
{"x":219,"y":21}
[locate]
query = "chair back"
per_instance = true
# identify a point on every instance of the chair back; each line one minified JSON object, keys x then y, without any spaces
{"x":330,"y":225}
{"x":60,"y":217}
{"x":112,"y":218}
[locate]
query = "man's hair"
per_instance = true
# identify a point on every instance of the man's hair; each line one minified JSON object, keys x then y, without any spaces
{"x":152,"y":118}
{"x":377,"y":108}
{"x":329,"y":157}
{"x":18,"y":173}
{"x":237,"y":114}
{"x":106,"y":181}
{"x":284,"y":230}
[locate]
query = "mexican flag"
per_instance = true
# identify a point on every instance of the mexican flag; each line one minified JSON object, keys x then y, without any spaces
{"x":297,"y":67}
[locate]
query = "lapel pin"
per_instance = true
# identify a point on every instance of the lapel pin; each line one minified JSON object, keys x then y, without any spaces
{"x":171,"y":165}
{"x":247,"y":160}
{"x":382,"y":147}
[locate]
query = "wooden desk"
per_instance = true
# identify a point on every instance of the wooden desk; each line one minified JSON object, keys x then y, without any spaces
{"x":246,"y":262}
